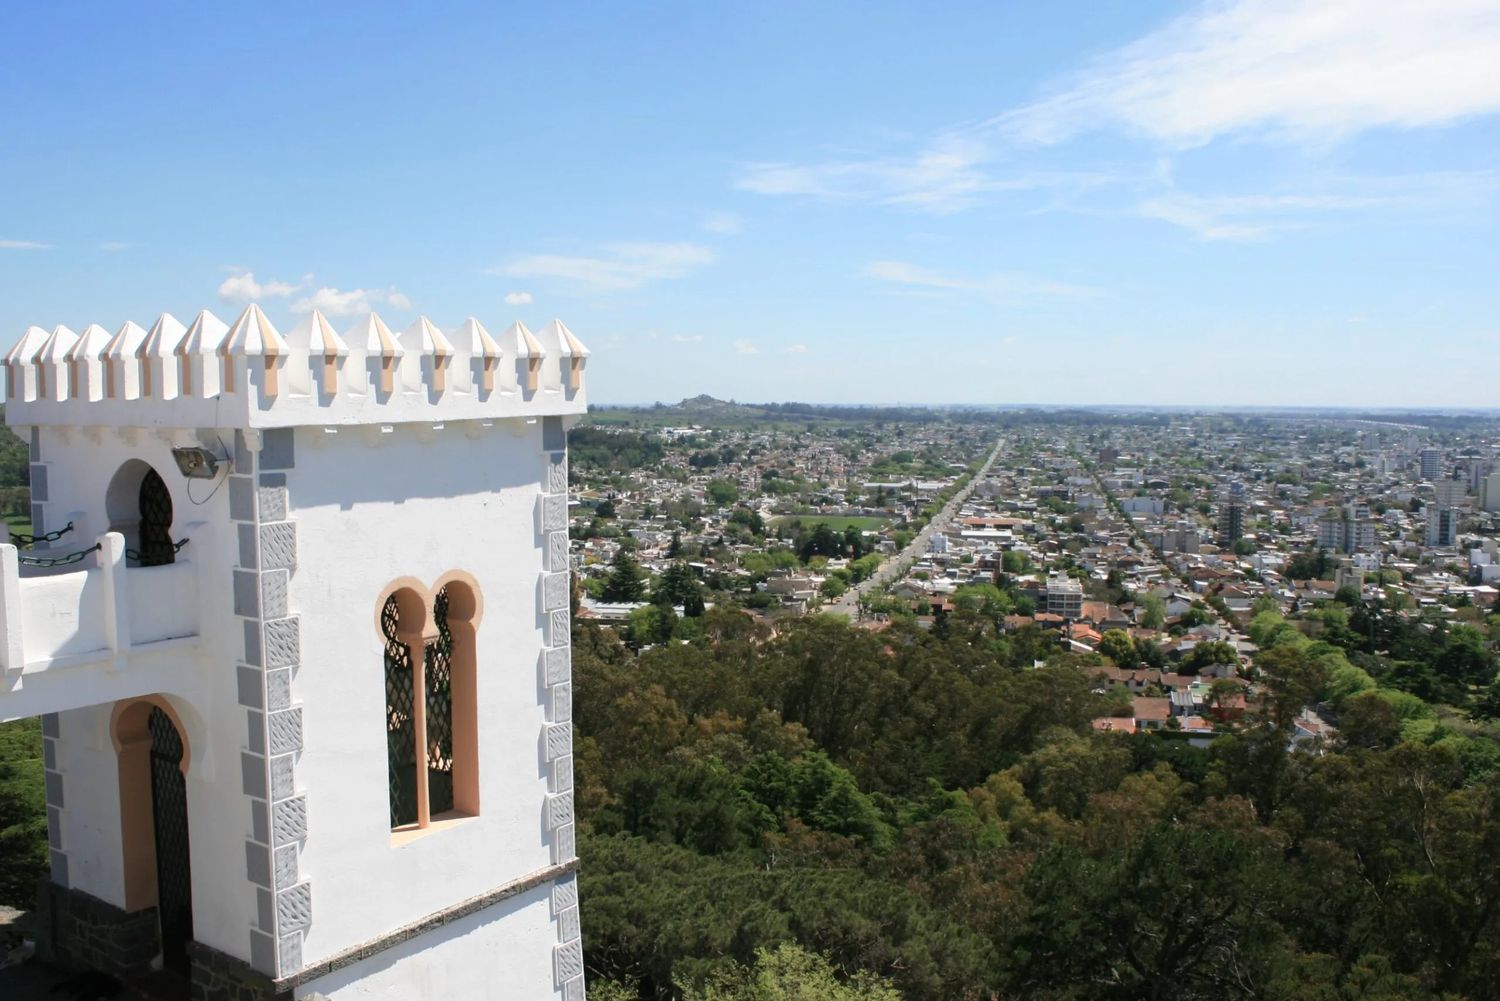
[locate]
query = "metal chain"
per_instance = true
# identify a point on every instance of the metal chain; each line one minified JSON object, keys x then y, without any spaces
{"x":132,"y":554}
{"x":20,"y":539}
{"x":71,"y":558}
{"x":58,"y":561}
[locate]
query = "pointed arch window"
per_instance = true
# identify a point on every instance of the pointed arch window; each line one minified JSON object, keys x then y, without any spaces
{"x":431,"y":716}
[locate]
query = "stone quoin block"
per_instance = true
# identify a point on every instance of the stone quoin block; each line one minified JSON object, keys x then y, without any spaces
{"x":273,"y":593}
{"x":558,"y":740}
{"x":559,"y":628}
{"x":49,"y":753}
{"x":278,"y":545}
{"x":561,"y":779}
{"x":261,"y":952}
{"x":54,"y":786}
{"x":257,"y":864}
{"x":282,"y":784}
{"x":562,"y":703}
{"x":557,"y":551}
{"x":50,"y":725}
{"x":567,"y":925}
{"x":278,"y":448}
{"x":260,"y":821}
{"x":554,"y":436}
{"x":564,"y":894}
{"x":246,"y":533}
{"x":246,"y":600}
{"x":554,"y":512}
{"x":283,"y":643}
{"x":272,"y":503}
{"x":557,"y":473}
{"x":560,"y":809}
{"x":286,"y":731}
{"x":247,"y":683}
{"x":38,"y":482}
{"x":554,"y":592}
{"x":278,"y":689}
{"x":563,"y":848}
{"x":252,"y":644}
{"x":286,"y":866}
{"x":289,"y":821}
{"x":294,"y":907}
{"x":291,"y":955}
{"x":253,"y":775}
{"x":573,"y":990}
{"x":568,"y":958}
{"x":265,"y":907}
{"x":559,"y":665}
{"x":241,"y":498}
{"x":59,"y":862}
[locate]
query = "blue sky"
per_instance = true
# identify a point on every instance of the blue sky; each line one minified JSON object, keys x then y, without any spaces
{"x":1242,"y":202}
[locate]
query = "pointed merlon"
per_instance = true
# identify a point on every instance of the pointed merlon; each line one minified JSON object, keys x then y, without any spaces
{"x":51,"y":358}
{"x":156,"y":353}
{"x":373,"y":339}
{"x":522,"y":342}
{"x":570,"y":348}
{"x":424,"y":338}
{"x":475,"y":342}
{"x":18,"y":361}
{"x":253,"y":336}
{"x":197,"y":351}
{"x":315,"y":336}
{"x":82,"y":381}
{"x":119,"y":356}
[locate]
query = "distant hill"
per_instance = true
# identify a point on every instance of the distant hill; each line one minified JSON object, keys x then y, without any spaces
{"x":705,"y":404}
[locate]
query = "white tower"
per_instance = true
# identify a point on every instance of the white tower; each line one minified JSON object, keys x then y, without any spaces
{"x":297,"y":628}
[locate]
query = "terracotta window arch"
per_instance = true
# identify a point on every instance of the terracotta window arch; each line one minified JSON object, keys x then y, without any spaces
{"x":431,"y":701}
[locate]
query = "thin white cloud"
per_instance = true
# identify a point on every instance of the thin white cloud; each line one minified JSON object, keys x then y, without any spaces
{"x":334,"y":302}
{"x":114,"y":246}
{"x":1007,"y":286}
{"x":1314,"y":70}
{"x":722,"y":223}
{"x":1254,"y":217}
{"x":796,"y":349}
{"x":24,"y":245}
{"x":744,"y":347}
{"x":518,"y":298}
{"x":242,"y":287}
{"x":687,"y":338}
{"x":621,"y":267}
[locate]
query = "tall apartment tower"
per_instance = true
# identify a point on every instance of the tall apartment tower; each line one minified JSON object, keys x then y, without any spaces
{"x":1443,"y":513}
{"x":1432,"y":463}
{"x":1232,"y":506}
{"x":297,"y":629}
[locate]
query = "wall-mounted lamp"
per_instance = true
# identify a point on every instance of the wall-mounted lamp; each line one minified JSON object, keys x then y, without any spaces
{"x":196,"y":462}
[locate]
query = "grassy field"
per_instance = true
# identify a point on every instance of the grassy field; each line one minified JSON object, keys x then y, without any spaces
{"x":836,"y":522}
{"x":19,"y":523}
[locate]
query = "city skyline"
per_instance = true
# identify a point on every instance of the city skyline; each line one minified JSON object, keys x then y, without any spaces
{"x":1228,"y":204}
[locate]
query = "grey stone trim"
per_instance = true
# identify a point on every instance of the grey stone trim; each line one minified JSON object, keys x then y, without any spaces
{"x":286,"y":866}
{"x":559,"y":628}
{"x":286,"y":731}
{"x":278,"y":545}
{"x":262,"y":952}
{"x":557,"y":740}
{"x":243,"y":457}
{"x":554,"y":437}
{"x":54,"y":786}
{"x":562,"y":702}
{"x":573,"y":990}
{"x":557,"y":551}
{"x":38,"y":518}
{"x":260,"y":823}
{"x":253,"y":775}
{"x":568,"y":960}
{"x":289,"y":821}
{"x":265,"y":906}
{"x":49,"y":754}
{"x":273,"y":500}
{"x":278,"y":689}
{"x":246,"y":600}
{"x":560,"y":809}
{"x":255,"y":731}
{"x":252,"y":643}
{"x":54,"y":828}
{"x":283,"y":785}
{"x":294,"y":908}
{"x":563,"y":844}
{"x":248,"y":680}
{"x":278,"y":449}
{"x":241,"y":498}
{"x":556,"y":481}
{"x":561,"y":778}
{"x":557,"y":665}
{"x":283,"y":643}
{"x":50,"y":725}
{"x":258,"y":864}
{"x":273,"y":480}
{"x":38,"y":481}
{"x":59,"y":865}
{"x":273,"y":593}
{"x":554,"y":591}
{"x":437,"y":919}
{"x":564,"y":894}
{"x":246,"y":533}
{"x":567,"y":925}
{"x":36,"y":444}
{"x":554,"y":512}
{"x":291,"y":955}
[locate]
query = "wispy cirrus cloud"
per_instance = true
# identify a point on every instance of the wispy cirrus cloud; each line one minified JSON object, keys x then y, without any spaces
{"x":518,"y":298}
{"x":336,"y":302}
{"x":1007,"y":286}
{"x":242,"y":287}
{"x":24,"y":245}
{"x":1312,"y":70}
{"x":618,"y":268}
{"x":744,"y":347}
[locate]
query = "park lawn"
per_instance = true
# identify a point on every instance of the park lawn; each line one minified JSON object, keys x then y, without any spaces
{"x":20,"y":524}
{"x":865,"y":523}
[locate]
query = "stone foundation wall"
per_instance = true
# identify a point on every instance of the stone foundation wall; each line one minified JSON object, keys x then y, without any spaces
{"x":75,"y":930}
{"x":220,"y":977}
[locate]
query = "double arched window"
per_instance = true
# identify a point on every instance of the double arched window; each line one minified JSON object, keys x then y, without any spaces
{"x":431,"y":715}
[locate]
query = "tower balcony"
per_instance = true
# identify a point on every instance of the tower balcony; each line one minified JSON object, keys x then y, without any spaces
{"x":87,"y":632}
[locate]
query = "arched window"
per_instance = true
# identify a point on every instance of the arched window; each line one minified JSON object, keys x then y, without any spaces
{"x":139,"y":506}
{"x":431,"y":714}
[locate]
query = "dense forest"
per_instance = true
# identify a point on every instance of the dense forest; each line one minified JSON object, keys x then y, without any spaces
{"x":933,"y":817}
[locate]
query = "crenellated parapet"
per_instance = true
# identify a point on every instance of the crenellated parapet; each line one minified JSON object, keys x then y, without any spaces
{"x":208,"y":373}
